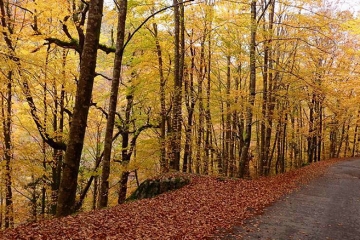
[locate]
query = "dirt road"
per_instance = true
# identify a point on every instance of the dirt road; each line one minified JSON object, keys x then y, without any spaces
{"x":327,"y":208}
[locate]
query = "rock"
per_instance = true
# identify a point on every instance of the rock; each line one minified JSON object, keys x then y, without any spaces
{"x":153,"y":187}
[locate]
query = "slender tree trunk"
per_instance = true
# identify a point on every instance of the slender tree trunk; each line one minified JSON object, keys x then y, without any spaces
{"x":190,"y":106}
{"x":320,"y":137}
{"x":104,"y":188}
{"x":235,"y":125}
{"x":302,"y":139}
{"x":6,"y":111}
{"x":312,"y":134}
{"x":208,"y":135}
{"x":347,"y":140}
{"x":279,"y":153}
{"x":220,"y":154}
{"x":58,"y":127}
{"x":239,"y":115}
{"x":333,"y":136}
{"x":163,"y":161}
{"x":265,"y":128}
{"x":244,"y":158}
{"x":200,"y":136}
{"x":229,"y":162}
{"x":125,"y":153}
{"x":178,"y":75}
{"x":283,"y":141}
{"x":68,"y":184}
{"x":342,"y":137}
{"x":33,"y":199}
{"x":201,"y":118}
{"x":355,"y":139}
{"x":98,"y":156}
{"x":45,"y":90}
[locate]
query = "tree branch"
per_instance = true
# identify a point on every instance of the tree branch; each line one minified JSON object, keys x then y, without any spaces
{"x":102,"y":75}
{"x":106,"y":49}
{"x":147,"y":19}
{"x":73,"y":44}
{"x":33,"y":111}
{"x":137,"y":134}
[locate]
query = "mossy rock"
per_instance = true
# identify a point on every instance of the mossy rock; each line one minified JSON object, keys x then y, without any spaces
{"x":153,"y":187}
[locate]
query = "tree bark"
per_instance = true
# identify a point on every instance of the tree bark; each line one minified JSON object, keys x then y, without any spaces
{"x":68,"y":184}
{"x":208,"y":132}
{"x":104,"y":188}
{"x":125,"y":151}
{"x":244,"y":158}
{"x":175,"y":134}
{"x":190,"y":106}
{"x":163,"y":161}
{"x":8,"y":151}
{"x":201,"y":117}
{"x":228,"y":161}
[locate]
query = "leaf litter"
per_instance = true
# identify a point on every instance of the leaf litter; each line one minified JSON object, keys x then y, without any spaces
{"x":199,"y":210}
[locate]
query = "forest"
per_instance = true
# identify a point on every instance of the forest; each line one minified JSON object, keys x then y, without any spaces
{"x":97,"y":96}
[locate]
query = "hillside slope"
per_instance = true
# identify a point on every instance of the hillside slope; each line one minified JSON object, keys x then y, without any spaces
{"x":196,"y":211}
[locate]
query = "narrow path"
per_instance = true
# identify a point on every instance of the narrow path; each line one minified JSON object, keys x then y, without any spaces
{"x":327,"y":208}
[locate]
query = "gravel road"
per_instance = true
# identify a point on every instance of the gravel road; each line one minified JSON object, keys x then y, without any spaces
{"x":326,"y":208}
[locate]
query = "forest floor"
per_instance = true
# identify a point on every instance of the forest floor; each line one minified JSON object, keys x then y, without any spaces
{"x":207,"y":208}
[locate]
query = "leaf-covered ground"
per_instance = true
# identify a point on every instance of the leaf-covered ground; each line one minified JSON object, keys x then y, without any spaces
{"x":196,"y":211}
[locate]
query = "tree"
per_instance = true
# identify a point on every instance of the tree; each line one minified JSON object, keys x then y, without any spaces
{"x":6,"y":114}
{"x":267,"y":92}
{"x":244,"y":158}
{"x":179,"y":48}
{"x":68,"y":184}
{"x":163,"y":112}
{"x":122,"y":7}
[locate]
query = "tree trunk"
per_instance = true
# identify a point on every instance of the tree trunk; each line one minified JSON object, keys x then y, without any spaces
{"x":125,"y":152}
{"x":123,"y":186}
{"x":6,"y":111}
{"x":163,"y":161}
{"x":355,"y":139}
{"x":265,"y":128}
{"x":228,"y":154}
{"x":45,"y":120}
{"x":320,"y":131}
{"x":98,"y":157}
{"x":347,"y":140}
{"x":58,"y":127}
{"x":312,"y":134}
{"x":208,"y":135}
{"x":104,"y":187}
{"x":343,"y":133}
{"x":190,"y":106}
{"x":333,"y":136}
{"x":175,"y":134}
{"x":201,"y":118}
{"x":244,"y":158}
{"x":68,"y":184}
